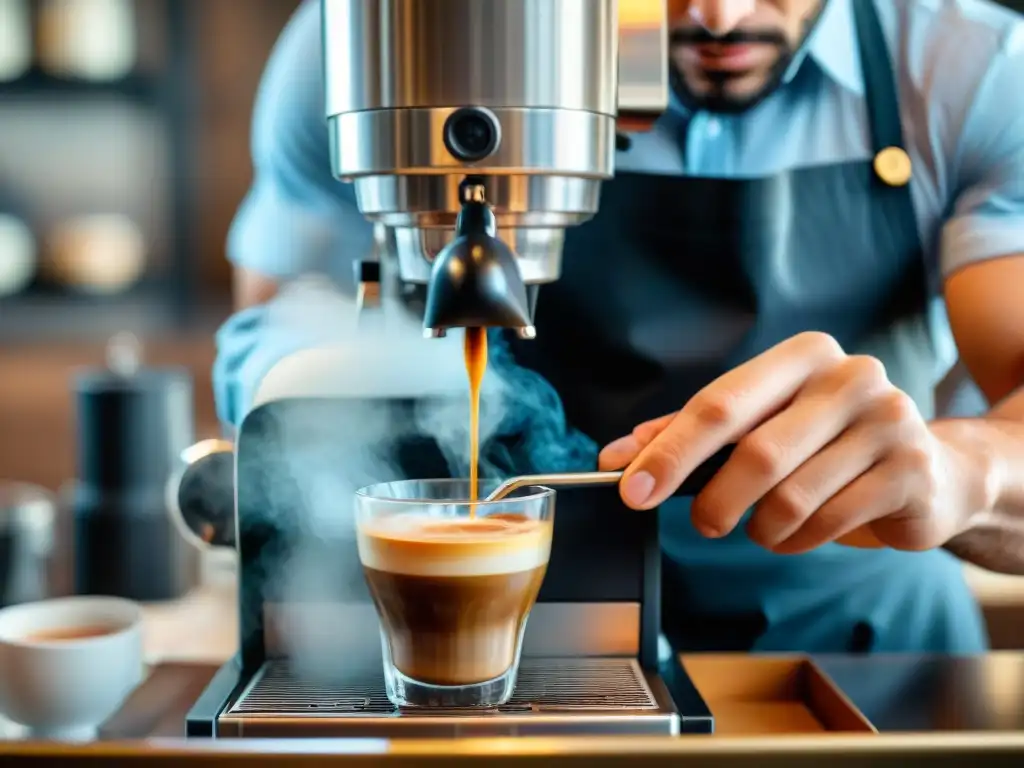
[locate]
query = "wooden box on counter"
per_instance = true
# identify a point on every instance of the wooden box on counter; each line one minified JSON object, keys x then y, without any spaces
{"x":762,"y":695}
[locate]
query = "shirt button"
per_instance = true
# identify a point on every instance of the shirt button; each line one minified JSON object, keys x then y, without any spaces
{"x":714,"y":128}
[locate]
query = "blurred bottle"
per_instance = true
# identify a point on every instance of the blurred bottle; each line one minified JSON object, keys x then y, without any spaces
{"x":15,"y":39}
{"x":88,"y":39}
{"x":97,"y":254}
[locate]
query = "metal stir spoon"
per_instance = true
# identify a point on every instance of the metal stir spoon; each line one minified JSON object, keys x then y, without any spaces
{"x":563,"y":479}
{"x":691,"y":486}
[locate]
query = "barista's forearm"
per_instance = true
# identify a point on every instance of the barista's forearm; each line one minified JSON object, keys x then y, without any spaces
{"x":995,"y":540}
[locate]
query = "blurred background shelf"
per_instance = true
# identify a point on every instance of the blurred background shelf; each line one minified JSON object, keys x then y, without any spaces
{"x":48,"y":317}
{"x":101,"y":124}
{"x":130,"y":110}
{"x":40,"y":84}
{"x":165,"y":145}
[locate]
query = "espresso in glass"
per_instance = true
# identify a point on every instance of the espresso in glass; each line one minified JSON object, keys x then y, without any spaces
{"x":453,"y":583}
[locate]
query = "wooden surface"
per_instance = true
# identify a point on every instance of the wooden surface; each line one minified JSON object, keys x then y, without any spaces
{"x":758,"y":718}
{"x":157,"y":708}
{"x":202,"y":628}
{"x":754,"y":694}
{"x":832,"y":750}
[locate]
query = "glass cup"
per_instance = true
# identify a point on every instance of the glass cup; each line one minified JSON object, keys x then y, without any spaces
{"x":453,"y":582}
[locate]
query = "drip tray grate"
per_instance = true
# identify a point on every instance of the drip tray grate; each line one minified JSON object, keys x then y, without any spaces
{"x":545,"y":686}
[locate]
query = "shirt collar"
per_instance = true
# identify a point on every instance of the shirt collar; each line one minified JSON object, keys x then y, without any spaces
{"x":832,"y":45}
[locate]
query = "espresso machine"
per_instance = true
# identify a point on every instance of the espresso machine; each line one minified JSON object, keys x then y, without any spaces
{"x":474,"y":132}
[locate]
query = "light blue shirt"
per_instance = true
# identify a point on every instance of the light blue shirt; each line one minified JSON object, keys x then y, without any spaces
{"x":959,"y":66}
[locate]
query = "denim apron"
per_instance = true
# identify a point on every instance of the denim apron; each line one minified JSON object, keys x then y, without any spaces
{"x":677,"y":280}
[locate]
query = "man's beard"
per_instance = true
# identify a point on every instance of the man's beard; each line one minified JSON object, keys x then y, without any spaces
{"x":716,"y":97}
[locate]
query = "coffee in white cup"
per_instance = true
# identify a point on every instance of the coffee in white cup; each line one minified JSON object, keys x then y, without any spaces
{"x":67,"y":665}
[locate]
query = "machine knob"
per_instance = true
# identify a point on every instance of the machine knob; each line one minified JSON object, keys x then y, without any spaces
{"x":202,"y":494}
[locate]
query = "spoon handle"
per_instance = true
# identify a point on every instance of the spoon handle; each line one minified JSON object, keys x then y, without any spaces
{"x":693,"y":484}
{"x":562,"y":479}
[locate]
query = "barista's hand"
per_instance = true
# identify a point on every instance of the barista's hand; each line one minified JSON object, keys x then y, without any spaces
{"x":826,"y":449}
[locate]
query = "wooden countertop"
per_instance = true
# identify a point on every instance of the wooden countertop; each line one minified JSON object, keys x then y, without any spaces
{"x":201,"y":629}
{"x":867,"y":751}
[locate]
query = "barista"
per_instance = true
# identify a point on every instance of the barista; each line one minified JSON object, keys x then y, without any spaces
{"x":831,"y":212}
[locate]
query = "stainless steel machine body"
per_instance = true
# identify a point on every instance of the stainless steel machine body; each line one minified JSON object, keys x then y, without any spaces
{"x":528,"y":96}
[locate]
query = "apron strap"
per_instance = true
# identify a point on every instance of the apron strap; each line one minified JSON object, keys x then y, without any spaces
{"x":876,"y":64}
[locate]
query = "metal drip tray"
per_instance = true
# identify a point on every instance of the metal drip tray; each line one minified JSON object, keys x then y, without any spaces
{"x":614,"y":685}
{"x":553,"y":696}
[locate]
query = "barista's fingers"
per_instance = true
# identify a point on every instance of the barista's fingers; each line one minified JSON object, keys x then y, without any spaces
{"x":786,"y":507}
{"x":616,"y":457}
{"x":649,"y":430}
{"x":619,"y":453}
{"x":823,"y":410}
{"x":723,"y":412}
{"x":876,"y":494}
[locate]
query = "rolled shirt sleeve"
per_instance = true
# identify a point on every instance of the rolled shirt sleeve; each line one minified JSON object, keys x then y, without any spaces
{"x":306,"y":314}
{"x":296,"y":219}
{"x":987,"y":219}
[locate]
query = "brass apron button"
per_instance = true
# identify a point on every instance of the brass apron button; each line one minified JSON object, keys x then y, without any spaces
{"x":893,"y":166}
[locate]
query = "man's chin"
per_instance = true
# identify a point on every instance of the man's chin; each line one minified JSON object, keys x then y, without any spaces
{"x":730,"y":95}
{"x":727,"y":101}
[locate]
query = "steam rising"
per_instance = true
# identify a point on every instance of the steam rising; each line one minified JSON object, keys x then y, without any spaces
{"x":384,"y":358}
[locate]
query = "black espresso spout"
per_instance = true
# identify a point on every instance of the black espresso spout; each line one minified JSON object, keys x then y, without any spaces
{"x":475,"y":281}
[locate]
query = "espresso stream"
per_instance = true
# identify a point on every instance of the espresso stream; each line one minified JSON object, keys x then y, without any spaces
{"x":476,"y":367}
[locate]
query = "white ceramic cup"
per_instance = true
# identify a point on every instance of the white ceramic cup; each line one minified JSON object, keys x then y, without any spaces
{"x":64,"y":689}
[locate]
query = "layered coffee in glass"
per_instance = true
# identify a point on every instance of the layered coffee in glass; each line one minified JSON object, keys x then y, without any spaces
{"x":453,"y":582}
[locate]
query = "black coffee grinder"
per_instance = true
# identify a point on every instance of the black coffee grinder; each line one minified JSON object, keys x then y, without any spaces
{"x":133,"y":422}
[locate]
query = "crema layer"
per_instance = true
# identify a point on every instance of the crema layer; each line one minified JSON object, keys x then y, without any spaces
{"x":419,"y":545}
